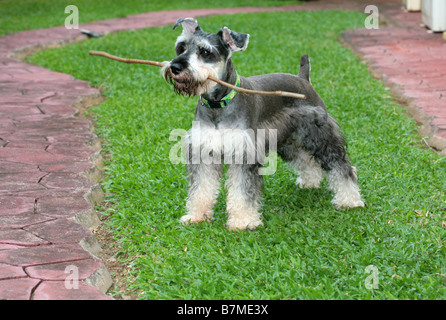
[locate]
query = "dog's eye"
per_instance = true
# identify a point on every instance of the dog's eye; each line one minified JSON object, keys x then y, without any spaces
{"x":205,"y":53}
{"x":180,"y":49}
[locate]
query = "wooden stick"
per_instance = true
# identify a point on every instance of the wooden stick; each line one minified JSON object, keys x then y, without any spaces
{"x":108,"y":55}
{"x":239,"y":89}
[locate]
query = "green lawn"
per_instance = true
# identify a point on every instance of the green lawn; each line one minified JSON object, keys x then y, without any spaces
{"x":19,"y":15}
{"x":307,"y":249}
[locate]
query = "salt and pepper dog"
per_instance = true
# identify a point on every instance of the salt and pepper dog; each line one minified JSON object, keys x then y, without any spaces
{"x":226,"y":123}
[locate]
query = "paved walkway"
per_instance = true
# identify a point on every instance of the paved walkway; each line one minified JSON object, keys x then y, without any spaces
{"x":50,"y":161}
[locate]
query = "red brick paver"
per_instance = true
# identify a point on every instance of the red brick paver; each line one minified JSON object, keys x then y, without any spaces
{"x":46,"y":198}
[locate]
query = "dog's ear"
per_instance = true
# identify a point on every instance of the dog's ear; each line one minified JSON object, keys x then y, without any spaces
{"x":236,"y":41}
{"x":190,"y":25}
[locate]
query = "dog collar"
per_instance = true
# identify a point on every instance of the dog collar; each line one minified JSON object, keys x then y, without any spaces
{"x":223,"y":102}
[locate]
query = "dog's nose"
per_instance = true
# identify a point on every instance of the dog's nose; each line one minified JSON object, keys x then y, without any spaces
{"x":176,"y":68}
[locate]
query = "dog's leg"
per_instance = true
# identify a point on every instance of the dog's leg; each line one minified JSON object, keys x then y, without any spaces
{"x":343,"y":182}
{"x":204,"y":183}
{"x":244,"y":186}
{"x":327,"y":146}
{"x":310,"y":172}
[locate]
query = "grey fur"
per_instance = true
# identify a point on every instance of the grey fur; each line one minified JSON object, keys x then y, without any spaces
{"x":302,"y":125}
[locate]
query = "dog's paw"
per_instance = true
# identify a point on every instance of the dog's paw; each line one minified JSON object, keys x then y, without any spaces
{"x":190,"y":219}
{"x":348,"y":203}
{"x":187,"y":219}
{"x":243,"y":224}
{"x":316,"y":184}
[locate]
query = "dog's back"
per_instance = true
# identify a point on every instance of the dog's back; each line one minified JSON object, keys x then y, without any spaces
{"x":288,"y":82}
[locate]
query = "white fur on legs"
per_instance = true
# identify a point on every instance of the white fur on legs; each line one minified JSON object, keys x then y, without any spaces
{"x":346,"y":191}
{"x":242,"y":215}
{"x":203,"y":193}
{"x":310,"y":172}
{"x":243,"y":210}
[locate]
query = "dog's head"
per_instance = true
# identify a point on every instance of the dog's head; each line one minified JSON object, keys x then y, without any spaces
{"x":199,"y":55}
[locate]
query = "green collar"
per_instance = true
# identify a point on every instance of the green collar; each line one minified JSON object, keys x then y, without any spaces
{"x":226,"y":99}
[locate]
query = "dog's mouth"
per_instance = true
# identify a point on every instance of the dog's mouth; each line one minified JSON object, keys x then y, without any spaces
{"x":183,"y":84}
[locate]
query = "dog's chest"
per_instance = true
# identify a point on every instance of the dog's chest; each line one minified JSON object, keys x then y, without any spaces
{"x":221,"y":139}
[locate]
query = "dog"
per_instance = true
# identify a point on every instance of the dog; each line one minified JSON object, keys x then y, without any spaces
{"x":300,"y":131}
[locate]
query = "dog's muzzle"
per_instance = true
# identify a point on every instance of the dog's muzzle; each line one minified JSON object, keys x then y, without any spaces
{"x":183,"y":83}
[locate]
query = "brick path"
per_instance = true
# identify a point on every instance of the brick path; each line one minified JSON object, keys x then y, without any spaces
{"x":50,"y":161}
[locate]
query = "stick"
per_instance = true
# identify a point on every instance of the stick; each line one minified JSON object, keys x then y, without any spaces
{"x":161,"y":64}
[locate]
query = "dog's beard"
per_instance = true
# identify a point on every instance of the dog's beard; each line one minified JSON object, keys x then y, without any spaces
{"x":183,"y":84}
{"x":186,"y":84}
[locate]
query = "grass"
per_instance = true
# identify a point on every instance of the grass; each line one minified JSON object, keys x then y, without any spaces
{"x":307,"y":249}
{"x":36,"y":14}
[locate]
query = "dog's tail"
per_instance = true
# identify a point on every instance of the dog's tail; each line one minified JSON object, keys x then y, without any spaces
{"x":305,"y":67}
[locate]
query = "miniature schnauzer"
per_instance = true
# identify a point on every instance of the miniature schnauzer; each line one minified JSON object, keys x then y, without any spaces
{"x":306,"y":136}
